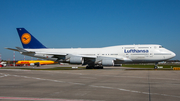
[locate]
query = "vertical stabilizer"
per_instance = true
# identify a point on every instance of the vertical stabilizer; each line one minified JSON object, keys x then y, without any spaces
{"x":27,"y":40}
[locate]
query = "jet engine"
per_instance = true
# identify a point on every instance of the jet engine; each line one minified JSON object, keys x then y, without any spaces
{"x":108,"y":62}
{"x":76,"y":60}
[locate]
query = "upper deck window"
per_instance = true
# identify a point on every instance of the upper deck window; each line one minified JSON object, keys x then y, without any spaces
{"x":143,"y":47}
{"x":129,"y":47}
{"x":160,"y":46}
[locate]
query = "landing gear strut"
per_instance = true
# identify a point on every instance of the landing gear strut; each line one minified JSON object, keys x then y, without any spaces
{"x":156,"y":65}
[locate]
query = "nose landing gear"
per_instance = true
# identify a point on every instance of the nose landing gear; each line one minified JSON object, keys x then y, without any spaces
{"x":156,"y":65}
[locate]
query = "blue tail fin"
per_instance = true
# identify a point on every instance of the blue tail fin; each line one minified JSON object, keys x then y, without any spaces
{"x":27,"y":40}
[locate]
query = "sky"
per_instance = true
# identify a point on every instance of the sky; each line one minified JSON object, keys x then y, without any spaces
{"x":90,"y":23}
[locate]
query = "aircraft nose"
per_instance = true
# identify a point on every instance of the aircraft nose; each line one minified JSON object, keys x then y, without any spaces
{"x":173,"y":54}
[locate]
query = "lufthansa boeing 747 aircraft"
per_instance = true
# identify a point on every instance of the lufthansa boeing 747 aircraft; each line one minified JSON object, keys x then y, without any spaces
{"x":93,"y":57}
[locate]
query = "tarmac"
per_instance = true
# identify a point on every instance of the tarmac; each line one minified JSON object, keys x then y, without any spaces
{"x":108,"y":84}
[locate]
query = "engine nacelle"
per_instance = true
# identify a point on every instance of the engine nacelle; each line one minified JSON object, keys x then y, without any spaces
{"x":108,"y":62}
{"x":76,"y":60}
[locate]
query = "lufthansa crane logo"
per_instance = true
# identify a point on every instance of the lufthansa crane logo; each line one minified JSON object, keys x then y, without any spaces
{"x":26,"y":38}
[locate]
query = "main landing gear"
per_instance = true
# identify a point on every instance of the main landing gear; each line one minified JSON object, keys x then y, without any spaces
{"x":94,"y":67}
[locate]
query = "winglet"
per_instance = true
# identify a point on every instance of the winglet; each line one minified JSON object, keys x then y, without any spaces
{"x":27,"y":40}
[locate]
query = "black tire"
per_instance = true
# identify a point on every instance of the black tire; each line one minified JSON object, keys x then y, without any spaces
{"x":89,"y":67}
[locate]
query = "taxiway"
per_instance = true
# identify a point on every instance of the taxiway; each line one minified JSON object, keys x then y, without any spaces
{"x":89,"y":85}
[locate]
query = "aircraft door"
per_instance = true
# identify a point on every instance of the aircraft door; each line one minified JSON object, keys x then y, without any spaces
{"x":151,"y":54}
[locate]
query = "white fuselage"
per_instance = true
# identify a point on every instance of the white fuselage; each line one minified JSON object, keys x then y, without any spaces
{"x":123,"y":53}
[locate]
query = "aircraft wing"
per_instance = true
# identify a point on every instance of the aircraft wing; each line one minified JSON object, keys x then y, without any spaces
{"x":68,"y":56}
{"x":87,"y":57}
{"x":123,"y":59}
{"x":57,"y":54}
{"x":22,"y":50}
{"x":64,"y":54}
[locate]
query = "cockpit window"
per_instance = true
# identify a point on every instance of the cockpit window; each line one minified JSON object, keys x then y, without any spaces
{"x":160,"y":46}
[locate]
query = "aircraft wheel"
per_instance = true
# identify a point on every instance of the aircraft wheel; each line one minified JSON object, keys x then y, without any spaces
{"x":89,"y":67}
{"x":99,"y":67}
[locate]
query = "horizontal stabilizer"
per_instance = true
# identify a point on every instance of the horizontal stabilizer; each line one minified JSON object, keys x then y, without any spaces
{"x":21,"y":50}
{"x":12,"y":49}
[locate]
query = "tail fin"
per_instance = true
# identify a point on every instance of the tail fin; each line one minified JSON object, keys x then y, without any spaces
{"x":27,"y":40}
